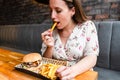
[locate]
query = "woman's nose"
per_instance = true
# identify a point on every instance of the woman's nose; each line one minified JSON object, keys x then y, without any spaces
{"x":53,"y":15}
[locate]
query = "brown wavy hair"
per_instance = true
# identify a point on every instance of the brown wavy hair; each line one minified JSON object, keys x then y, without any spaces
{"x":80,"y":15}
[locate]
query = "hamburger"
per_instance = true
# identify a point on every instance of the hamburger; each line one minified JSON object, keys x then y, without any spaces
{"x":32,"y":61}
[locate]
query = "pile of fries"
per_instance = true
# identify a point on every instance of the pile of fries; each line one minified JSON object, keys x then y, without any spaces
{"x":48,"y":70}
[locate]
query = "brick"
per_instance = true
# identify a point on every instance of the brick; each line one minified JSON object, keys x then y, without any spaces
{"x":114,"y":11}
{"x":84,"y":1}
{"x":114,"y":16}
{"x":94,"y":11}
{"x":105,"y":5}
{"x":102,"y":16}
{"x":88,"y":8}
{"x":111,"y":0}
{"x":90,"y":17}
{"x":114,"y":5}
{"x":105,"y":11}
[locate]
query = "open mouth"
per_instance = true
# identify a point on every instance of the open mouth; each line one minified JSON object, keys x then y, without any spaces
{"x":58,"y":23}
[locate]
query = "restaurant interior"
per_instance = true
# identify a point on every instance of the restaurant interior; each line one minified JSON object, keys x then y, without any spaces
{"x":23,"y":21}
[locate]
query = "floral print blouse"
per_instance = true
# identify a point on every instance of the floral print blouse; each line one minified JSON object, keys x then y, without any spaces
{"x":83,"y":41}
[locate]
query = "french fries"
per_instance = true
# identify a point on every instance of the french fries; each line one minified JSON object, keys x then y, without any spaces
{"x":53,"y":26}
{"x":48,"y":70}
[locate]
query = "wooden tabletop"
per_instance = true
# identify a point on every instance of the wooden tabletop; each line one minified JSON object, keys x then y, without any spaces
{"x":8,"y":59}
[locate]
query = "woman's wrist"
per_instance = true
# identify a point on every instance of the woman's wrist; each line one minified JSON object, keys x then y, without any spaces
{"x":50,"y":48}
{"x":48,"y":53}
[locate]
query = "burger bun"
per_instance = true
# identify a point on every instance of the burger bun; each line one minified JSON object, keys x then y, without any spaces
{"x":31,"y":57}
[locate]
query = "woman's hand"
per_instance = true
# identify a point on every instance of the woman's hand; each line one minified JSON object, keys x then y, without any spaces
{"x":66,"y":73}
{"x":47,"y":38}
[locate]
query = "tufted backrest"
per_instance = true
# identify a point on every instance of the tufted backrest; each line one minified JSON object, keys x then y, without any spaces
{"x":25,"y":37}
{"x":109,"y":41}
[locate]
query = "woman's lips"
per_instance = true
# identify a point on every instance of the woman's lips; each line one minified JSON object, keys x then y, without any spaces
{"x":58,"y":23}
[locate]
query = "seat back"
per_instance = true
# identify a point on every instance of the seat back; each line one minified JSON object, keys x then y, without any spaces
{"x":25,"y":36}
{"x":109,"y":41}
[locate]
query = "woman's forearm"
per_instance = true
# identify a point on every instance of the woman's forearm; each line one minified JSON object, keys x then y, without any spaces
{"x":85,"y":64}
{"x":48,"y":52}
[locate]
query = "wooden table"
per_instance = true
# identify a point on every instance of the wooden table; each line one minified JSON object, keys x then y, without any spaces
{"x":8,"y":59}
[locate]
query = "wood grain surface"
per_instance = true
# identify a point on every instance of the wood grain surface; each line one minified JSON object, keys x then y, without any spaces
{"x":8,"y":59}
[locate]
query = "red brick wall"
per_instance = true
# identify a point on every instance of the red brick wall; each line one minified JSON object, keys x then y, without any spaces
{"x":102,"y":9}
{"x":22,"y":12}
{"x":30,"y":12}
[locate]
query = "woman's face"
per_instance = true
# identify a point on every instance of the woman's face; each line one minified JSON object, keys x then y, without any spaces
{"x":61,"y":13}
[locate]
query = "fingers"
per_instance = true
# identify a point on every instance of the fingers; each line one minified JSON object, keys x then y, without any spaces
{"x":65,"y":73}
{"x":68,"y":77}
{"x":59,"y":70}
{"x":48,"y":38}
{"x":62,"y":71}
{"x":62,"y":68}
{"x":46,"y":35}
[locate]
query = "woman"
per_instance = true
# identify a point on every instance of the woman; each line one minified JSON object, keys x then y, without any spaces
{"x":74,"y":39}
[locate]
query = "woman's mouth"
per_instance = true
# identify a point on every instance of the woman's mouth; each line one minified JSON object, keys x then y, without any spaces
{"x":58,"y":23}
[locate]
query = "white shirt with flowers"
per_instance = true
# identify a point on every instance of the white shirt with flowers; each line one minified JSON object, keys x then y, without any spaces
{"x":83,"y":41}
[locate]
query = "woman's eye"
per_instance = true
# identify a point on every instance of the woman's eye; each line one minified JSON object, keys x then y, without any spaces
{"x":58,"y":11}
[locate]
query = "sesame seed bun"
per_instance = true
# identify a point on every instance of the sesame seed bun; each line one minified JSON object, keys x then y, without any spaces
{"x":31,"y":57}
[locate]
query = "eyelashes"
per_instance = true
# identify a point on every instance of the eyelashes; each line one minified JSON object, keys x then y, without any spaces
{"x":57,"y":10}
